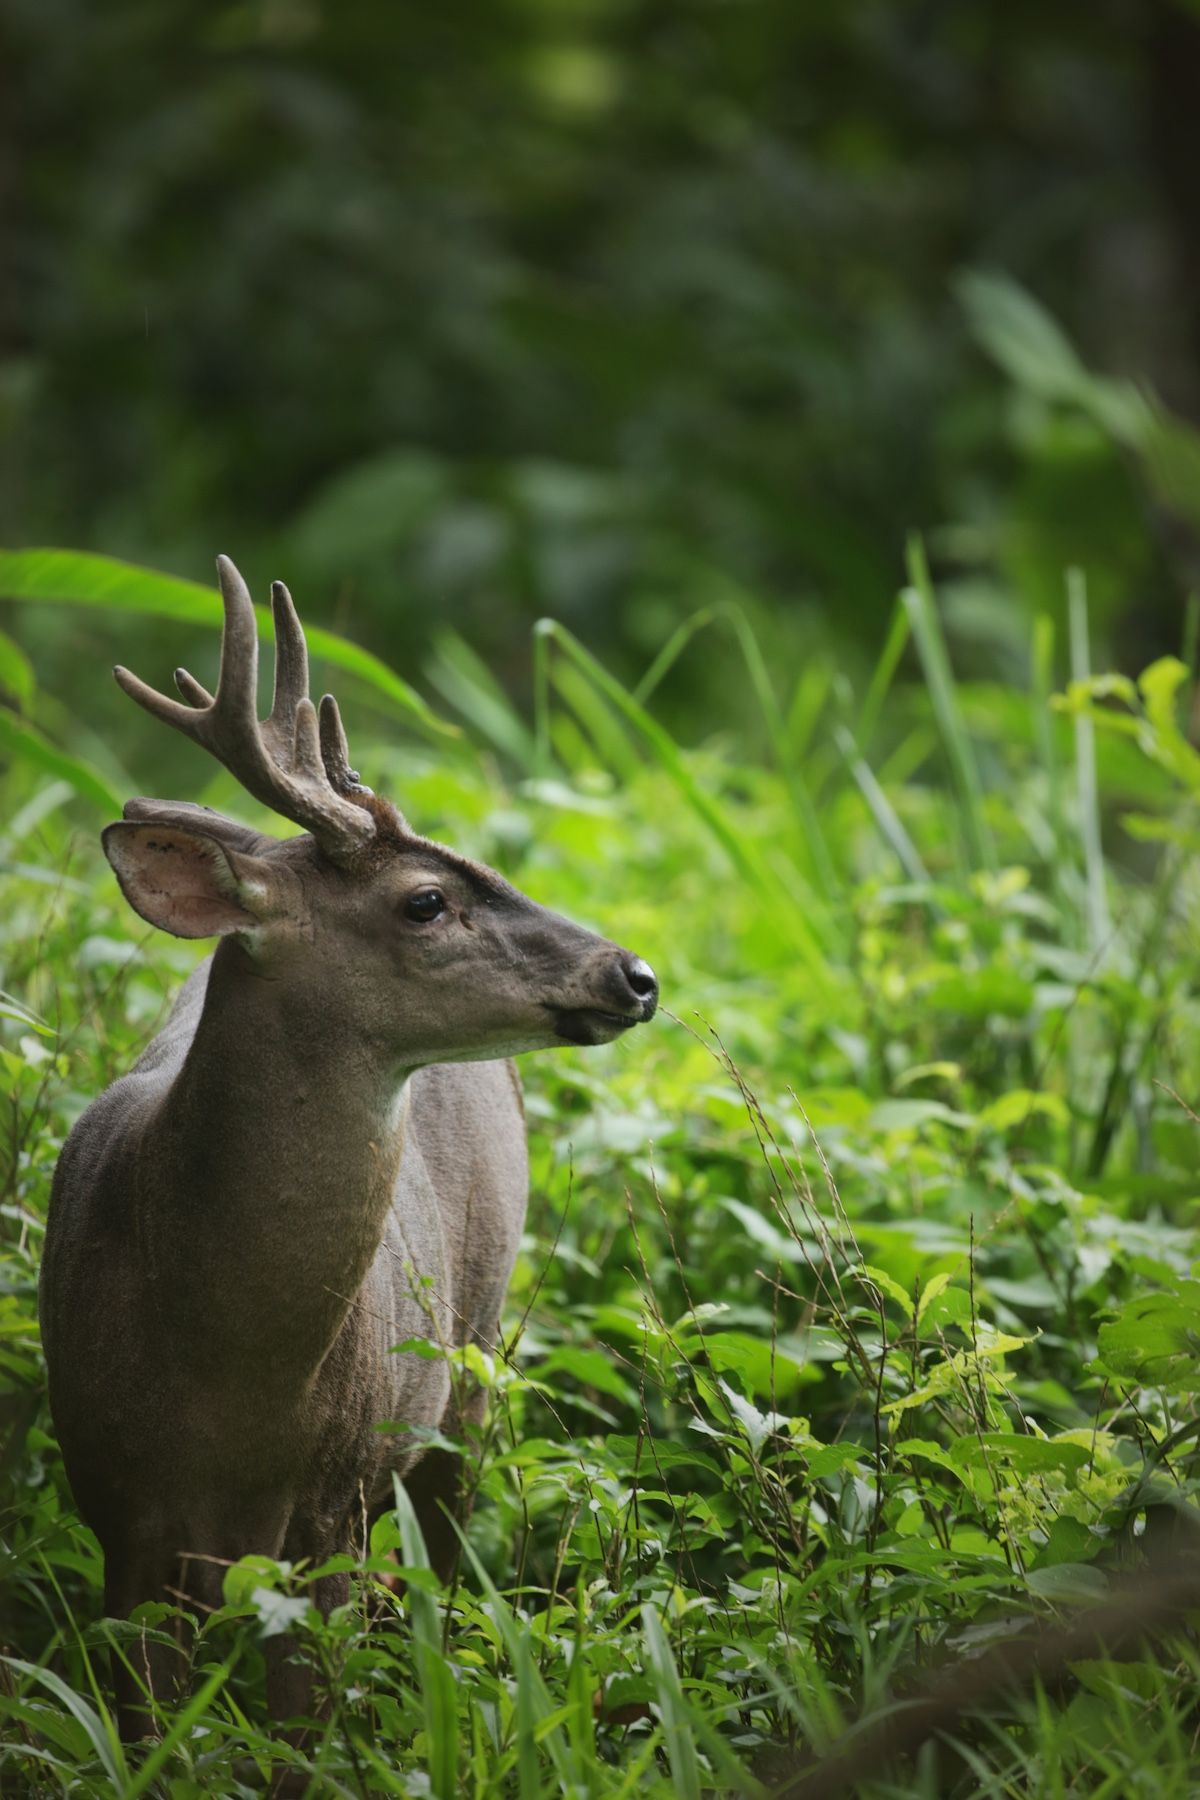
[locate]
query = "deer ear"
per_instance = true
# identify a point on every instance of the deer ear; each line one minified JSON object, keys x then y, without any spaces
{"x":188,"y":883}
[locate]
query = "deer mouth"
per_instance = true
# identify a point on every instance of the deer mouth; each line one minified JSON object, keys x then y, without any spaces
{"x":591,"y":1025}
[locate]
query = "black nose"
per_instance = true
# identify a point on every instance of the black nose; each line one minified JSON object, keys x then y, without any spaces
{"x":642,"y":983}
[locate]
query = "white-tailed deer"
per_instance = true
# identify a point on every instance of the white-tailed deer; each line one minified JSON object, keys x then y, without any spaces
{"x":321,"y":1155}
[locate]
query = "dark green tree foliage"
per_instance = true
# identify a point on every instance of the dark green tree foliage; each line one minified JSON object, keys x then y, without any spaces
{"x":506,"y":307}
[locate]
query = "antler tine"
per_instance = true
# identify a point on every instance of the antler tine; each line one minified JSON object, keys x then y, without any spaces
{"x":237,"y":681}
{"x":159,"y":706}
{"x":291,"y":660}
{"x":193,"y":691}
{"x":335,"y":751}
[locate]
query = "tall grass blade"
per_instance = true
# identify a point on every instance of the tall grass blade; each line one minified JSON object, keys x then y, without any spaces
{"x":79,"y":578}
{"x":674,"y":648}
{"x":728,"y":612}
{"x":534,"y":1705}
{"x":1085,"y":767}
{"x":464,"y":679}
{"x":677,"y":1726}
{"x":1190,"y":653}
{"x":16,"y":672}
{"x":1041,"y":683}
{"x":882,"y":810}
{"x":98,"y":1725}
{"x":743,"y":855}
{"x":439,"y":1698}
{"x":919,"y":603}
{"x":181,"y":1725}
{"x":881,"y":680}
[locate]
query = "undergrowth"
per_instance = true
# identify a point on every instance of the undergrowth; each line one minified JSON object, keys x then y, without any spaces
{"x":856,"y":1329}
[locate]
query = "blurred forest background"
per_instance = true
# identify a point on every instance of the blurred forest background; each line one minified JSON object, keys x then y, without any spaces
{"x":461,"y":315}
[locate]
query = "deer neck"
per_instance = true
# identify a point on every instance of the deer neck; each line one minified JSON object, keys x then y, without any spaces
{"x":284,"y":1139}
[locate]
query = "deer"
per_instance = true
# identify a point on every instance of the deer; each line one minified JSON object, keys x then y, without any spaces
{"x":321,"y":1156}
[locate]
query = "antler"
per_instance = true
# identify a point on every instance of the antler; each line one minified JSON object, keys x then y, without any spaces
{"x":296,"y":761}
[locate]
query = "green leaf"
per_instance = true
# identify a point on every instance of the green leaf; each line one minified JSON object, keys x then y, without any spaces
{"x":649,"y":1457}
{"x":98,"y":1725}
{"x":16,"y":672}
{"x":910,"y":1115}
{"x":764,"y":1367}
{"x":1030,"y":1455}
{"x":249,"y":1576}
{"x":1155,"y":1339}
{"x":1016,"y":1108}
{"x":79,"y":578}
{"x":887,"y":1284}
{"x":591,"y":1368}
{"x":758,"y":1426}
{"x":11,"y":1008}
{"x":1069,"y":1584}
{"x":831,"y":1459}
{"x":929,"y":1293}
{"x":1022,"y":336}
{"x":24,"y":742}
{"x":278,"y":1613}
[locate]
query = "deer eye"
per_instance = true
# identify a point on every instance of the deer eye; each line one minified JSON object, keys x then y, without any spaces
{"x":424,"y":905}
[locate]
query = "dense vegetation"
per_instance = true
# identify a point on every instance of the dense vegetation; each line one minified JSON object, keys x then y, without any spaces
{"x":855,"y":1328}
{"x":856,"y":1335}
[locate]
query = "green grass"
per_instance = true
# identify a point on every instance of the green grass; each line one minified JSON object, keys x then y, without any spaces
{"x":855,"y":1327}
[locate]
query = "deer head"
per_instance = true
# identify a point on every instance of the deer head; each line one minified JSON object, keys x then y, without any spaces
{"x":363,"y":928}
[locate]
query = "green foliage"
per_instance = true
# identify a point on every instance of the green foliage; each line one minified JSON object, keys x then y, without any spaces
{"x":588,"y":309}
{"x":857,"y":1323}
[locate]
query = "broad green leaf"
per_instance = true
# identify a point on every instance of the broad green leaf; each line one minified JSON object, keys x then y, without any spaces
{"x":758,"y":1426}
{"x":1022,"y":1451}
{"x":765,"y":1368}
{"x":278,"y":1613}
{"x":660,"y":1454}
{"x":79,"y":578}
{"x":16,"y":672}
{"x":592,"y":1369}
{"x":888,"y":1285}
{"x":831,"y":1459}
{"x":24,"y":742}
{"x":1019,"y":1106}
{"x":929,"y":1293}
{"x":1069,"y":1584}
{"x":1155,"y":1339}
{"x":910,"y":1115}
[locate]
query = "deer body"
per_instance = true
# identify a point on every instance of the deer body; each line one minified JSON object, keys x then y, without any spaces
{"x":249,"y":1279}
{"x":320,"y":1156}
